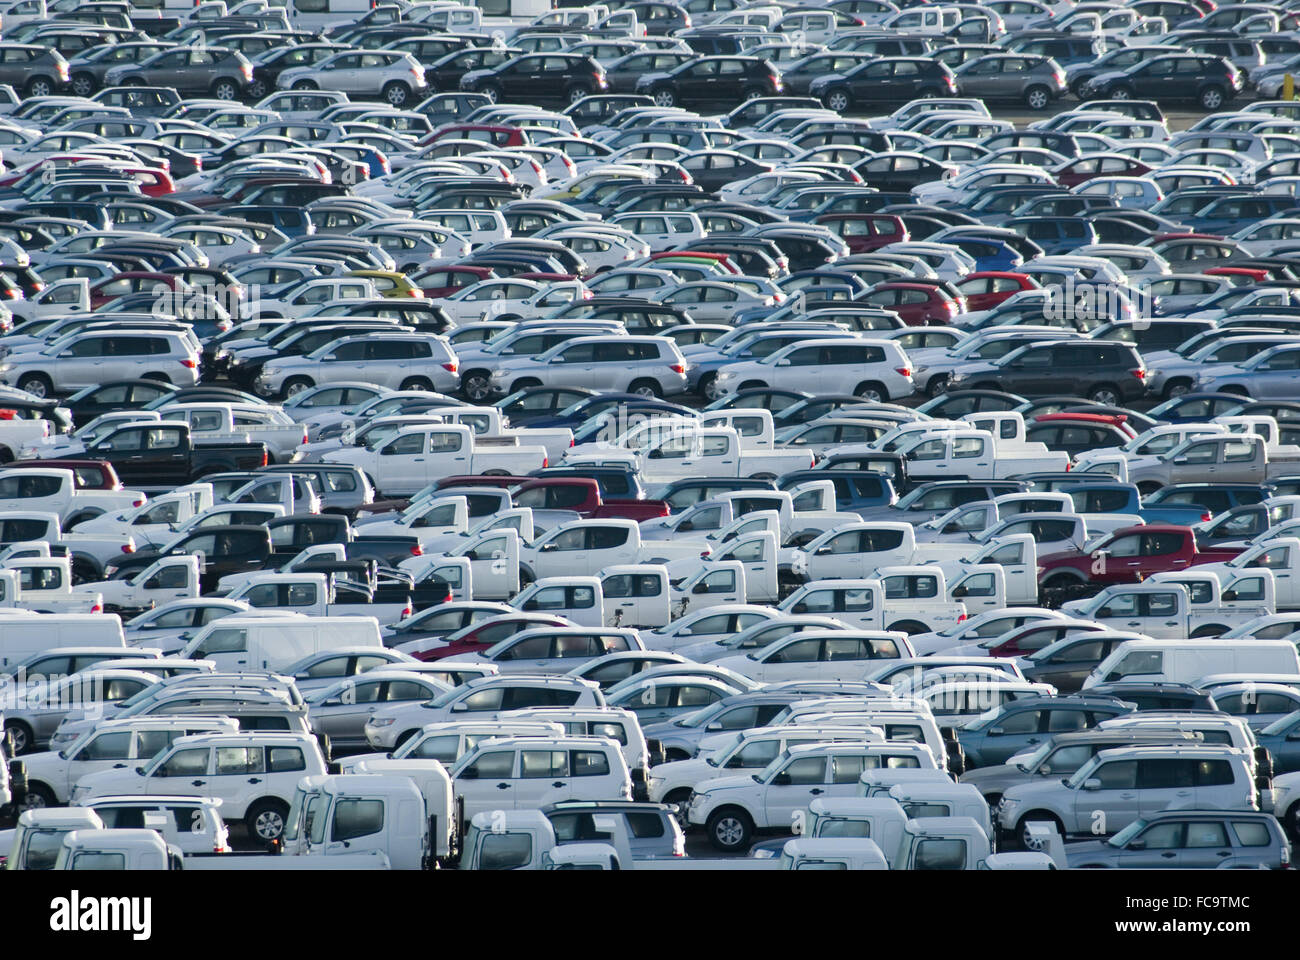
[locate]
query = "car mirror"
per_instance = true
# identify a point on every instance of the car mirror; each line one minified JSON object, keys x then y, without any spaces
{"x":469,"y":773}
{"x":781,"y":780}
{"x":546,"y":547}
{"x":821,"y":551}
{"x":1104,"y":612}
{"x":700,"y":588}
{"x":1044,"y":771}
{"x":784,"y":362}
{"x":1138,"y":845}
{"x":332,"y":702}
{"x":715,"y":725}
{"x":459,"y":707}
{"x":996,"y":731}
{"x":960,"y":592}
{"x":1229,"y":594}
{"x":799,"y":608}
{"x":1179,"y":461}
{"x":1092,"y":783}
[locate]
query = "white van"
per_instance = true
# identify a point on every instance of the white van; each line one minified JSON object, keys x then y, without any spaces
{"x":273,"y":643}
{"x":311,"y":14}
{"x":22,"y":635}
{"x":1183,"y":661}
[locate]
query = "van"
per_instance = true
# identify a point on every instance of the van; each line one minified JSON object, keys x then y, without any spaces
{"x":1183,"y":661}
{"x":274,"y":643}
{"x":58,"y":662}
{"x":22,"y":635}
{"x":526,"y":773}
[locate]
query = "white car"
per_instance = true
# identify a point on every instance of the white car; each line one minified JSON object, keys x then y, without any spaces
{"x":876,"y":370}
{"x":397,"y":76}
{"x":400,"y":361}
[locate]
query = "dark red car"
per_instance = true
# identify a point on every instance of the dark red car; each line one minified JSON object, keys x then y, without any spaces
{"x":985,"y":289}
{"x":1083,"y":169}
{"x":134,"y":281}
{"x":864,"y":232}
{"x":477,"y":637}
{"x":443,"y":281}
{"x":1128,"y":555}
{"x":918,"y":304}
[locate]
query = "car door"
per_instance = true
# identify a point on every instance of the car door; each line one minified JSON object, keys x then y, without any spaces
{"x":795,"y":659}
{"x":792,"y":788}
{"x":405,"y":465}
{"x":1163,"y":781}
{"x":343,"y":716}
{"x":1158,"y":846}
{"x":494,"y":564}
{"x":1114,"y":805}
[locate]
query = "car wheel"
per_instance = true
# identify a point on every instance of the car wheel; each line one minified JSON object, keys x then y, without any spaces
{"x":937,"y":385}
{"x":839,"y":100}
{"x":645,"y":388}
{"x":1061,"y":581}
{"x":1105,"y":394}
{"x":37,"y":384}
{"x":20,"y":736}
{"x":225,"y":90}
{"x":305,"y":85}
{"x":753,"y":93}
{"x":1037,"y":98}
{"x":39,"y":796}
{"x":416,"y":383}
{"x":475,"y":385}
{"x":730,"y":829}
{"x":1076,"y":88}
{"x":927,"y":93}
{"x":1211,"y":98}
{"x":397,"y":94}
{"x":578,"y":92}
{"x":39,"y":87}
{"x":874,"y":392}
{"x":296,"y":385}
{"x":709,"y":387}
{"x":1034,"y":816}
{"x":257,"y":90}
{"x":665,"y":97}
{"x":1177,"y":388}
{"x":1121,"y":92}
{"x":83,"y":84}
{"x":492,"y":92}
{"x":265,"y":819}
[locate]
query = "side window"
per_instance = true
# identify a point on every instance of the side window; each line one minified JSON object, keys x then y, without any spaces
{"x":357,"y":818}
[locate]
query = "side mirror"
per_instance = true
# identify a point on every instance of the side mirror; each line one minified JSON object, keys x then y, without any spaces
{"x":996,"y":731}
{"x":1138,"y":845}
{"x":960,"y":591}
{"x":459,"y":707}
{"x":781,"y":780}
{"x":799,"y":608}
{"x":1229,"y":594}
{"x":1044,"y":771}
{"x":469,"y":773}
{"x":1092,"y":784}
{"x":1104,"y":612}
{"x":821,"y":551}
{"x":547,"y":547}
{"x":784,"y":362}
{"x":715,"y":725}
{"x":700,"y":587}
{"x":332,"y":702}
{"x":1178,"y":461}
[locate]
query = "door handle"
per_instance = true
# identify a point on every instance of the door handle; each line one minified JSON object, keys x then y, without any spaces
{"x":1135,"y":623}
{"x":197,"y":783}
{"x":1168,"y":855}
{"x":503,"y":786}
{"x":254,"y":779}
{"x":1223,"y":853}
{"x":1127,"y":796}
{"x":557,"y":783}
{"x":816,"y":790}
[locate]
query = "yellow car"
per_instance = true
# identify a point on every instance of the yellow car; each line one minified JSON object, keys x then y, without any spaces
{"x":389,"y":283}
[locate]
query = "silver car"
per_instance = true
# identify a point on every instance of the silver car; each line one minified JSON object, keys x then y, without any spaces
{"x":396,"y":75}
{"x":402,"y":361}
{"x":652,"y":366}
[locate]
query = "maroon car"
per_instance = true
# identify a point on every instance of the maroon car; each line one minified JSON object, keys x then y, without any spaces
{"x":477,"y":637}
{"x":864,"y":232}
{"x":918,"y":304}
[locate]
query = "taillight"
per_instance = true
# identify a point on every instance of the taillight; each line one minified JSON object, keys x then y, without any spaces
{"x":679,"y":368}
{"x":304,"y":435}
{"x":128,"y":548}
{"x":1206,"y":517}
{"x":1139,"y":373}
{"x":264,"y":460}
{"x":451,"y":366}
{"x":406,"y":612}
{"x":198,"y":163}
{"x":97,"y":608}
{"x":904,"y":371}
{"x":137,"y":503}
{"x":247,"y":70}
{"x":546,"y":462}
{"x":417,"y":550}
{"x":962,"y":618}
{"x":190,"y":363}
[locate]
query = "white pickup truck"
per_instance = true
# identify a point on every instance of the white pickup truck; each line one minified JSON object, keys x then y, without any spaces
{"x":314,"y":594}
{"x":1016,"y":554}
{"x":55,"y":490}
{"x":1163,"y":608}
{"x":680,"y":451}
{"x":975,"y":455}
{"x":419,"y":455}
{"x":18,"y":434}
{"x":490,"y":428}
{"x":865,"y":603}
{"x":89,"y":552}
{"x":44,"y":585}
{"x":242,"y":421}
{"x":1280,"y":555}
{"x":166,"y":579}
{"x":587,"y":547}
{"x":157,"y":518}
{"x":859,"y":549}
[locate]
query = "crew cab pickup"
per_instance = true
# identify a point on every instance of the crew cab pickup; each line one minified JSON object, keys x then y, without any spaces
{"x":687,"y":451}
{"x":241,"y":421}
{"x":974,"y":455}
{"x":1241,"y":458}
{"x":868,"y":605}
{"x":490,"y":426}
{"x":317,"y":595}
{"x":89,"y":552}
{"x":44,"y":585}
{"x":55,"y":490}
{"x":419,"y":455}
{"x":1125,"y":498}
{"x":1163,"y":609}
{"x":156,"y":518}
{"x":1128,"y":555}
{"x":587,"y":547}
{"x":162,"y":455}
{"x":1281,"y":556}
{"x":582,"y":496}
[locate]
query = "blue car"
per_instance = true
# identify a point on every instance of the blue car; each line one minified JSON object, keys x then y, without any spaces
{"x":1195,"y":407}
{"x":1020,"y":724}
{"x":1282,"y":740}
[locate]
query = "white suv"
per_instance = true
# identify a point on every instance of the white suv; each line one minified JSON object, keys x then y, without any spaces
{"x":401,"y":361}
{"x":876,"y":370}
{"x":651,"y":366}
{"x":526,"y":773}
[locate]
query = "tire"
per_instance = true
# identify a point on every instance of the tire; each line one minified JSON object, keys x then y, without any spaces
{"x":37,"y":384}
{"x":1038,"y":97}
{"x":839,"y":100}
{"x":492,"y":92}
{"x":1061,"y":581}
{"x":1076,"y":88}
{"x":909,"y":627}
{"x":1021,"y":841}
{"x":937,"y":385}
{"x":20,"y":736}
{"x":305,"y":85}
{"x":397,"y":94}
{"x":1211,"y":98}
{"x":578,"y":92}
{"x":664,"y":97}
{"x":265,"y":819}
{"x":296,"y":385}
{"x":927,"y":93}
{"x":157,"y":376}
{"x":646,"y":388}
{"x":475,"y":385}
{"x":1121,"y":92}
{"x":753,"y":93}
{"x":1177,"y":388}
{"x":226,"y":90}
{"x":730,"y":829}
{"x":83,"y":84}
{"x":1105,"y":393}
{"x":708,"y":387}
{"x":40,"y":87}
{"x":416,"y":383}
{"x":872,"y":391}
{"x":39,"y":796}
{"x":257,"y":90}
{"x":523,"y":383}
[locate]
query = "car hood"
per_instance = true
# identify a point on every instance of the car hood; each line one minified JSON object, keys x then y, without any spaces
{"x":1028,"y":792}
{"x":724,"y":783}
{"x":648,"y":78}
{"x":1088,"y":849}
{"x":105,"y":782}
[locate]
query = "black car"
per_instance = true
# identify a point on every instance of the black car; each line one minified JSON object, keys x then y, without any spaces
{"x":624,"y":72}
{"x":539,"y":78}
{"x":1157,"y":695}
{"x":445,"y":72}
{"x":1208,"y":81}
{"x":712,"y":80}
{"x":1104,"y":371}
{"x":891,"y":80}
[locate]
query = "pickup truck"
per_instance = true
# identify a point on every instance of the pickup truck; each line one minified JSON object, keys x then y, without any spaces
{"x":19,"y":433}
{"x":296,"y":494}
{"x":855,"y":489}
{"x":1128,"y":555}
{"x":859,"y":549}
{"x":1205,"y":606}
{"x":418,"y":455}
{"x":318,"y":595}
{"x":1161,"y":438}
{"x":55,"y":490}
{"x":162,"y":455}
{"x":935,"y":498}
{"x":586,"y":547}
{"x":1280,"y":555}
{"x":863,"y":604}
{"x":241,"y":421}
{"x":221,"y":550}
{"x":166,"y":579}
{"x":688,"y":451}
{"x":155,"y":518}
{"x":974,"y":455}
{"x":490,"y":426}
{"x":577,"y":495}
{"x":44,"y":585}
{"x":90,"y":552}
{"x":1105,"y":497}
{"x":1016,"y":554}
{"x":1241,"y":458}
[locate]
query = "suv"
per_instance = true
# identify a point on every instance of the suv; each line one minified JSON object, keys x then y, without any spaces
{"x":1189,"y":840}
{"x":401,"y":361}
{"x":1035,"y":81}
{"x":891,"y":80}
{"x":223,"y":73}
{"x":1004,"y":732}
{"x":94,"y":357}
{"x":1209,"y":81}
{"x":487,"y":698}
{"x":525,"y":773}
{"x":649,"y":366}
{"x":1119,"y":786}
{"x":192,"y":824}
{"x":712,"y":80}
{"x":652,"y":829}
{"x":33,"y":69}
{"x":1104,"y":372}
{"x":254,"y":774}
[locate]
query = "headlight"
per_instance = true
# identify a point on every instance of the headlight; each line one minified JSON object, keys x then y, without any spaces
{"x":380,"y":722}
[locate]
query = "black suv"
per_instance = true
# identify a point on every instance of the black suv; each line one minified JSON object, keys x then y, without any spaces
{"x":891,"y":80}
{"x":712,"y":80}
{"x":1209,"y":81}
{"x":537,"y":78}
{"x":1103,"y":371}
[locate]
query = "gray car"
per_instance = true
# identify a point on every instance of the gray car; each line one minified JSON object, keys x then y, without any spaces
{"x":221,"y":72}
{"x":87,"y":69}
{"x":340,"y":711}
{"x":1189,"y":840}
{"x":1012,"y":77}
{"x":652,"y":828}
{"x":1272,"y":375}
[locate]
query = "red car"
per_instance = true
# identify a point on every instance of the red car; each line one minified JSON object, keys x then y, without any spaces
{"x":985,"y":289}
{"x":1240,"y":276}
{"x":477,"y":637}
{"x":864,"y":232}
{"x":133,"y":281}
{"x":1131,"y":554}
{"x":497,"y":134}
{"x":443,"y":281}
{"x":918,"y":304}
{"x":1083,"y":169}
